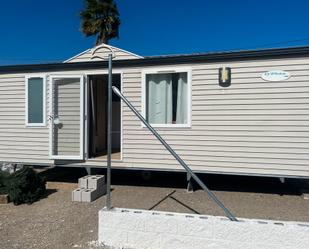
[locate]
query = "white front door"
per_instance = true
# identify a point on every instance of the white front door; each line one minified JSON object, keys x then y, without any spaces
{"x":67,"y":117}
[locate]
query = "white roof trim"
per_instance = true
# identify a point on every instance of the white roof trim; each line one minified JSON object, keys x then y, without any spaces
{"x":75,"y":56}
{"x":128,"y":52}
{"x":89,"y":49}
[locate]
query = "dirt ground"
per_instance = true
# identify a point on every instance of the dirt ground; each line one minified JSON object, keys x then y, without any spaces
{"x":57,"y":222}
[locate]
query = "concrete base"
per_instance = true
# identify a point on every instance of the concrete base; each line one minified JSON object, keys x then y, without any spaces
{"x":90,"y":188}
{"x":139,"y":229}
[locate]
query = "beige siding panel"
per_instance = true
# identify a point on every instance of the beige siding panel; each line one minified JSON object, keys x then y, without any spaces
{"x":228,"y":127}
{"x":186,"y":149}
{"x":19,"y":143}
{"x":253,"y":126}
{"x":216,"y":144}
{"x":221,"y":169}
{"x":196,"y":135}
{"x":268,"y":63}
{"x":243,"y":77}
{"x":258,"y":86}
{"x":26,"y":160}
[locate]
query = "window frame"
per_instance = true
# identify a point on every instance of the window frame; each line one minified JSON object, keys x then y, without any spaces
{"x":27,"y":77}
{"x":165,"y":70}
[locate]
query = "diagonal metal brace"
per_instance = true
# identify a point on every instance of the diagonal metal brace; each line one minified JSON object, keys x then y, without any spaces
{"x":178,"y":158}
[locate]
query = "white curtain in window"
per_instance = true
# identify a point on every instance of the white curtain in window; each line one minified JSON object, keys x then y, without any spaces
{"x":160,"y":98}
{"x":182,"y":100}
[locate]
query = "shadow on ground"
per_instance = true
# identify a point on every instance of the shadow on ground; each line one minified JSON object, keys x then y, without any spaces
{"x":214,"y":182}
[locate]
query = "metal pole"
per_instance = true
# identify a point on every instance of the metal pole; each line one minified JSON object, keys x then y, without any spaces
{"x":183,"y":164}
{"x":109,"y":133}
{"x":94,"y":122}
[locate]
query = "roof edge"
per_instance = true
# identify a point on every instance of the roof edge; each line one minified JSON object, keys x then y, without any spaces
{"x":113,"y":47}
{"x":128,"y":52}
{"x":163,"y":60}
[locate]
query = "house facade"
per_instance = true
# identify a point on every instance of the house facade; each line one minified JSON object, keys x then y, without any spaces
{"x":55,"y":114}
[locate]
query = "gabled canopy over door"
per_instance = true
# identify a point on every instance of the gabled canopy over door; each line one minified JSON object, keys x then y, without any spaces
{"x":67,"y":117}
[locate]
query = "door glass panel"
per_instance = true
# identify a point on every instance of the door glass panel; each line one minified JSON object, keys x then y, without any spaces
{"x":35,"y":100}
{"x":66,"y":117}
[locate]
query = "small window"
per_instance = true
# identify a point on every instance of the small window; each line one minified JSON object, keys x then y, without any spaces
{"x":167,"y":98}
{"x":35,"y":101}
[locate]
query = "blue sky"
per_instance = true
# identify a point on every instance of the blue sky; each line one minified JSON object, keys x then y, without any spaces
{"x":35,"y":31}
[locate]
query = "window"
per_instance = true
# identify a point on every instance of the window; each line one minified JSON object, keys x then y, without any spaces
{"x":167,"y":98}
{"x":35,"y":101}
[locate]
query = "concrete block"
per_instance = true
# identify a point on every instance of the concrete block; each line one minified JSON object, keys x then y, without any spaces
{"x":89,"y":195}
{"x":102,"y":190}
{"x":96,"y":181}
{"x":83,"y":182}
{"x":77,"y":194}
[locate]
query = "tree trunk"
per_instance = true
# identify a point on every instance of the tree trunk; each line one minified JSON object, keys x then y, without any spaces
{"x":101,"y":39}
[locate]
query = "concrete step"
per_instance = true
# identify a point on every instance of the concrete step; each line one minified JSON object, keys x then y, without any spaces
{"x":90,"y":194}
{"x":83,"y":182}
{"x":96,"y":181}
{"x":77,"y":194}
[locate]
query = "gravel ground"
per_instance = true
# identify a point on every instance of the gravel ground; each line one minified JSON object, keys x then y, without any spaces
{"x":56,"y":222}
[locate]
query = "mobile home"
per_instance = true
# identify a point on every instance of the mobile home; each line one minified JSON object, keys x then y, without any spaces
{"x":243,"y":112}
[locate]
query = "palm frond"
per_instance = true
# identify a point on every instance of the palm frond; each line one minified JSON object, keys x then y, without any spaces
{"x":101,"y":18}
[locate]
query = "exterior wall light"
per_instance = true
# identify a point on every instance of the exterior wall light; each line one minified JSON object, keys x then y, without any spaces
{"x":225,"y":77}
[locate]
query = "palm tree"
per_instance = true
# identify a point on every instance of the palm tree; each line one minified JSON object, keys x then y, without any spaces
{"x":101,"y":18}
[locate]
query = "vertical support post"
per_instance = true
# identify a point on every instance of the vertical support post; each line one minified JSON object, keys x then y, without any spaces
{"x":94,"y":123}
{"x":109,"y":133}
{"x":190,"y":188}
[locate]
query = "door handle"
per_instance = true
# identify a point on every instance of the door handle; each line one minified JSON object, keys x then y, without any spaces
{"x":50,"y":117}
